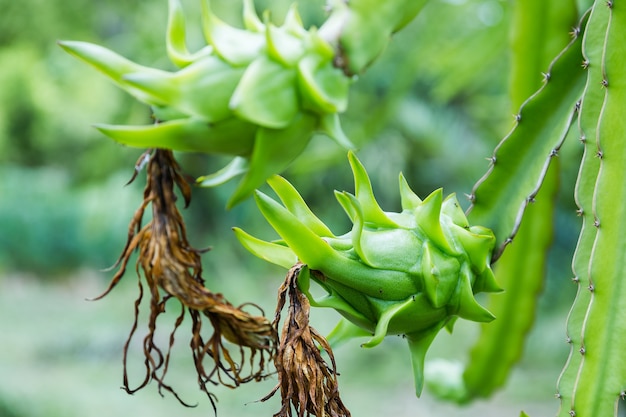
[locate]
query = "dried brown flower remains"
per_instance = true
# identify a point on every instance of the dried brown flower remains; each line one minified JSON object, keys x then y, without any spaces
{"x":172,"y":270}
{"x":305,"y":380}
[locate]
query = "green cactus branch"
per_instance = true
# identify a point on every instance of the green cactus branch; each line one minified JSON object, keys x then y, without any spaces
{"x":593,"y":381}
{"x":591,"y":105}
{"x":522,"y":268}
{"x":521,"y":160}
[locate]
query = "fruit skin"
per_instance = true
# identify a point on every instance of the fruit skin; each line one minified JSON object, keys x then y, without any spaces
{"x":409,"y":273}
{"x":247,"y":93}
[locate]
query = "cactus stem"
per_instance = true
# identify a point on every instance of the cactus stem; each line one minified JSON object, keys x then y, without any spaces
{"x":531,"y":197}
{"x":482,"y":196}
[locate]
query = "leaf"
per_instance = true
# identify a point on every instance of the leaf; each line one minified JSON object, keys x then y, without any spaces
{"x":330,"y":125}
{"x":251,"y":20}
{"x":372,"y":213}
{"x":383,"y":322}
{"x":409,"y":200}
{"x":283,"y":46}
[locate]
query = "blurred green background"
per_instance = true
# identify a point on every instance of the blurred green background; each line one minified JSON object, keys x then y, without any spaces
{"x":433,"y":107}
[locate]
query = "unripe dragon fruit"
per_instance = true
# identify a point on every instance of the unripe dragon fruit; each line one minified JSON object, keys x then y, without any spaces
{"x":258,"y":93}
{"x":409,"y":273}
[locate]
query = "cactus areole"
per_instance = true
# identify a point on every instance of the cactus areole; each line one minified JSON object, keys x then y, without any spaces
{"x":409,"y":273}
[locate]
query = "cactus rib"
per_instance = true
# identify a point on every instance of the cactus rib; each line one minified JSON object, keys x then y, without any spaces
{"x":598,"y":375}
{"x":590,"y":105}
{"x":501,"y":196}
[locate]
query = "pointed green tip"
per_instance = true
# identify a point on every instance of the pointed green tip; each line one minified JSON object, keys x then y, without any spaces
{"x":450,"y":323}
{"x":452,"y":209}
{"x":486,"y":282}
{"x":419,"y":342}
{"x":428,"y":217}
{"x":478,"y":246}
{"x":344,"y":201}
{"x":69,"y":46}
{"x":293,"y":201}
{"x":309,"y":247}
{"x":180,"y":135}
{"x":270,"y":252}
{"x":471,"y":310}
{"x":383,"y":322}
{"x":331,"y":126}
{"x":101,"y":58}
{"x":372,"y":213}
{"x":293,"y":21}
{"x":175,"y":36}
{"x":251,"y":20}
{"x":467,"y":306}
{"x":408,"y":199}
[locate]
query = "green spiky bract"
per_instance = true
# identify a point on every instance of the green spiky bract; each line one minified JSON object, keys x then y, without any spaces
{"x":257,"y":93}
{"x":409,"y":273}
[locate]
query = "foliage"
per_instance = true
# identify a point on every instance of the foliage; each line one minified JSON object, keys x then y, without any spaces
{"x":49,"y":214}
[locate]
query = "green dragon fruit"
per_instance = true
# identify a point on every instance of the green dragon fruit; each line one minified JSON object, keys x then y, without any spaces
{"x":258,"y":93}
{"x":409,"y":273}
